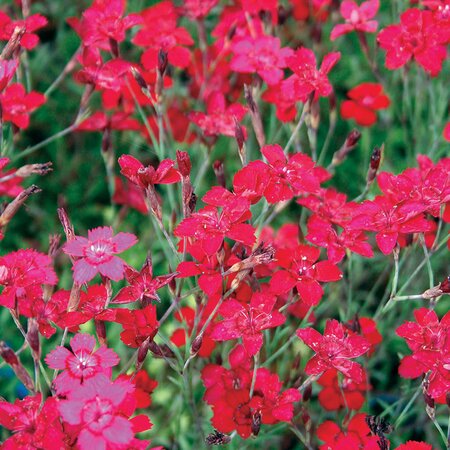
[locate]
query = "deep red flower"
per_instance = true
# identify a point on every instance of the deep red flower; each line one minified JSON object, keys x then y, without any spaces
{"x":316,"y":10}
{"x":302,"y":270}
{"x":99,"y":121}
{"x":138,"y":325}
{"x":209,"y":226}
{"x":103,"y":22}
{"x":11,"y":186}
{"x":310,"y":79}
{"x":23,"y":274}
{"x":144,"y":387}
{"x":17,"y":104}
{"x":159,"y":31}
{"x":356,"y":436}
{"x":365,"y":100}
{"x":29,"y":39}
{"x":143,"y":285}
{"x":356,"y":18}
{"x":248,"y":322}
{"x":262,"y":55}
{"x":429,"y":340}
{"x":322,"y":233}
{"x":219,"y":118}
{"x":81,"y":363}
{"x":416,"y":36}
{"x":388,"y":219}
{"x":334,"y":349}
{"x":96,"y":254}
{"x":35,"y":425}
{"x":337,"y":394}
{"x":142,"y":176}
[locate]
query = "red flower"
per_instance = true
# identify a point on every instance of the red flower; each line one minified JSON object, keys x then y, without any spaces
{"x":35,"y":425}
{"x":7,"y":71}
{"x":23,"y":273}
{"x":11,"y":186}
{"x":357,"y":18}
{"x":143,"y":285}
{"x":17,"y":104}
{"x":446,"y":132}
{"x":209,"y":226}
{"x":96,"y":254}
{"x":99,"y":121}
{"x":228,"y":391}
{"x":29,"y":40}
{"x":103,"y":23}
{"x":142,"y":176}
{"x":334,"y":349}
{"x":317,"y":10}
{"x":130,"y":195}
{"x":388,"y":219}
{"x":288,"y":176}
{"x":322,"y":233}
{"x":159,"y":31}
{"x":337,"y":394}
{"x":80,"y":364}
{"x":429,"y":341}
{"x":248,"y":322}
{"x":138,"y":325}
{"x":97,"y":411}
{"x":219,"y":118}
{"x":310,"y":79}
{"x":144,"y":387}
{"x":414,"y":445}
{"x":302,"y":270}
{"x":418,"y":37}
{"x":262,"y":55}
{"x":356,"y":436}
{"x":366,"y":99}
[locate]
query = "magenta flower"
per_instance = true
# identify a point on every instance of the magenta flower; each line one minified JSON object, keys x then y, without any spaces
{"x":80,"y":364}
{"x":96,"y":254}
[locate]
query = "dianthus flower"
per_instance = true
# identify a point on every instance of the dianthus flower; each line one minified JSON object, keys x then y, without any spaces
{"x":365,"y":100}
{"x":96,"y":254}
{"x":357,"y":18}
{"x":334,"y":349}
{"x":29,"y":39}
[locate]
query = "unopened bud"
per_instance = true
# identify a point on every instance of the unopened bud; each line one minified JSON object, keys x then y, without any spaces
{"x":142,"y":353}
{"x":12,"y":208}
{"x":66,"y":224}
{"x":100,"y":329}
{"x":33,"y":338}
{"x":437,"y":291}
{"x":307,"y":392}
{"x":196,"y":344}
{"x":13,"y":44}
{"x":255,"y":116}
{"x":162,"y":61}
{"x":12,"y":359}
{"x":375,"y":161}
{"x":114,"y":46}
{"x":349,"y":144}
{"x":139,"y":79}
{"x":184,"y":163}
{"x":240,"y":139}
{"x":219,"y":172}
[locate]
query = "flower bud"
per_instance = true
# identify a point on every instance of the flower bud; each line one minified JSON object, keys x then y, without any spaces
{"x":255,"y":116}
{"x":375,"y":161}
{"x":13,"y":44}
{"x":12,"y":208}
{"x":196,"y":344}
{"x":184,"y":163}
{"x":30,"y":169}
{"x":11,"y":358}
{"x":219,"y":172}
{"x":33,"y":338}
{"x":350,"y":143}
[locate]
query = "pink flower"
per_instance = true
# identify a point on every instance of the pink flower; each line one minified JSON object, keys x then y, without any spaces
{"x":261,"y":55}
{"x":96,"y":409}
{"x":356,"y":18}
{"x":96,"y":254}
{"x":80,"y":364}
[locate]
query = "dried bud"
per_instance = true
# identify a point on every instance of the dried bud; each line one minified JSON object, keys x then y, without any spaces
{"x":196,"y":344}
{"x":378,"y":426}
{"x":184,"y":163}
{"x":256,"y":423}
{"x":437,"y":291}
{"x":160,"y":351}
{"x":53,"y":245}
{"x":255,"y":116}
{"x":217,"y":438}
{"x":13,"y":44}
{"x":66,"y":224}
{"x":30,"y":169}
{"x":220,"y":173}
{"x":429,"y":401}
{"x":154,"y":202}
{"x":375,"y":161}
{"x":12,"y":208}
